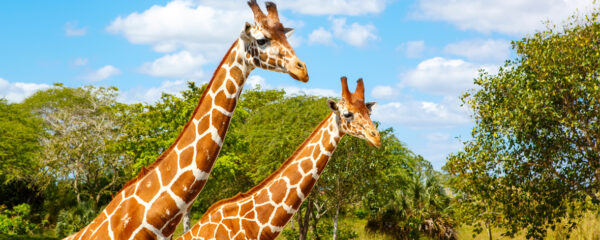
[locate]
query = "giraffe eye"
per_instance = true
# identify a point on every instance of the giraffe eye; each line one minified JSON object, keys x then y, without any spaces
{"x":262,"y":41}
{"x":348,"y":115}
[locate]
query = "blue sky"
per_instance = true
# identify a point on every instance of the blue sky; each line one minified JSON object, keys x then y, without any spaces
{"x":416,"y":56}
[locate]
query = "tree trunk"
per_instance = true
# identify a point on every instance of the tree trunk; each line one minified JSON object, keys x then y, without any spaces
{"x":77,"y":187}
{"x":315,"y":221}
{"x":303,"y":224}
{"x":186,"y":221}
{"x":292,"y":224}
{"x":299,"y":220}
{"x":335,"y":222}
{"x":489,"y":230}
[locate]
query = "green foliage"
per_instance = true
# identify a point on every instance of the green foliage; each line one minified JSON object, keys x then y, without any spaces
{"x":375,"y":168}
{"x":149,"y":130}
{"x":20,"y":131}
{"x":82,"y":128}
{"x":274,"y":134}
{"x":534,"y":151}
{"x":16,"y":221}
{"x":361,"y":213}
{"x":266,"y":128}
{"x":417,"y":207}
{"x":324,"y":231}
{"x":72,"y":220}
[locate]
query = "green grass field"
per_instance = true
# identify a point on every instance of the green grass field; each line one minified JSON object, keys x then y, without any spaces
{"x":587,"y":229}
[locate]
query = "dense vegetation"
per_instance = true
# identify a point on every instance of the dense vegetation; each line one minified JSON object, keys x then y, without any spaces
{"x":75,"y":148}
{"x":531,"y":167}
{"x":534,"y":160}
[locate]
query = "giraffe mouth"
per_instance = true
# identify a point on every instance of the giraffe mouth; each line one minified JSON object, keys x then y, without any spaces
{"x":303,"y":79}
{"x":374,"y":141}
{"x":297,"y":70}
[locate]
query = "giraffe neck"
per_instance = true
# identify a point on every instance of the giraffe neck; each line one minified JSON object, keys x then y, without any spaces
{"x":262,"y":212}
{"x":151,"y":206}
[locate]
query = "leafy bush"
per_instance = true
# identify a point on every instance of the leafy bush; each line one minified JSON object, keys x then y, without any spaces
{"x":74,"y":219}
{"x":16,"y":221}
{"x":361,"y":213}
{"x":324,"y":231}
{"x":290,"y":234}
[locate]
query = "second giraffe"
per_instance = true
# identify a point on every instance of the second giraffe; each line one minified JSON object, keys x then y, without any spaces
{"x":262,"y":212}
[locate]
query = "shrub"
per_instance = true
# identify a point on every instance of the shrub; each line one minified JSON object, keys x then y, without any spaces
{"x":16,"y":221}
{"x":74,"y":219}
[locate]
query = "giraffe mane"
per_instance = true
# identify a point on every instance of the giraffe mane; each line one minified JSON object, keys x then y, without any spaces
{"x":145,"y":170}
{"x":272,"y":175}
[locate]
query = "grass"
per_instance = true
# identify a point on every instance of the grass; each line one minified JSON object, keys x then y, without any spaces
{"x":26,"y":237}
{"x":358,"y":225}
{"x":587,"y":229}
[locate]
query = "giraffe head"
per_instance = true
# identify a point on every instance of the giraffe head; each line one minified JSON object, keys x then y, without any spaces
{"x":267,"y":46}
{"x":354,"y":115}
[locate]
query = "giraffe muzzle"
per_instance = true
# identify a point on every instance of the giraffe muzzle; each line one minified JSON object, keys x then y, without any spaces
{"x":374,"y":140}
{"x":297,"y":70}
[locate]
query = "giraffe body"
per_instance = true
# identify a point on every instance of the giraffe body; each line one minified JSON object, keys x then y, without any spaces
{"x":262,"y":212}
{"x":151,"y":206}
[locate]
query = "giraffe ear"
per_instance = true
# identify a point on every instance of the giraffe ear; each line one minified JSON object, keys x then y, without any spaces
{"x":371,"y":105}
{"x":288,"y":32}
{"x":246,"y":32}
{"x":332,"y":105}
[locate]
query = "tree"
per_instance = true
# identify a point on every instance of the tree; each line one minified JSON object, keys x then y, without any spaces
{"x":20,"y":131}
{"x":417,"y":206}
{"x":355,"y":169}
{"x":273,"y":131}
{"x":20,"y":148}
{"x":82,"y":127}
{"x":536,"y":143}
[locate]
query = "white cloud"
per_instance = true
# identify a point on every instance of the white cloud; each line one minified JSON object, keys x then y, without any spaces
{"x":480,"y":50}
{"x":293,"y":90}
{"x":355,"y":34}
{"x":179,"y":65}
{"x":254,"y":81}
{"x":320,"y":36}
{"x":413,"y":49}
{"x":80,"y":62}
{"x":515,"y":17}
{"x":385,"y":92}
{"x":442,"y":76}
{"x":423,"y":114}
{"x":18,"y":91}
{"x":437,"y":137}
{"x":335,"y":7}
{"x":208,"y":27}
{"x":151,"y":95}
{"x":295,"y":41}
{"x":102,"y":73}
{"x":71,"y":30}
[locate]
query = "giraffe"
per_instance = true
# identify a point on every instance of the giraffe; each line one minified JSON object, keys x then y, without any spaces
{"x":262,"y":212}
{"x":151,"y":205}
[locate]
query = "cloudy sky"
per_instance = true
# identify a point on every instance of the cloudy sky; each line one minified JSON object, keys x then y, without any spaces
{"x":416,"y":56}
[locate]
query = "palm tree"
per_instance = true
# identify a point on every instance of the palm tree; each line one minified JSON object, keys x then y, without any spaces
{"x":419,"y":207}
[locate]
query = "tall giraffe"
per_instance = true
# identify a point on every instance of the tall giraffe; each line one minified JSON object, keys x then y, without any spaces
{"x":151,"y":206}
{"x":262,"y":212}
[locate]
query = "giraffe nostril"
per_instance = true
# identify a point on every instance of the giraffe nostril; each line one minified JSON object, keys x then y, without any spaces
{"x":373,"y":134}
{"x":300,"y":65}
